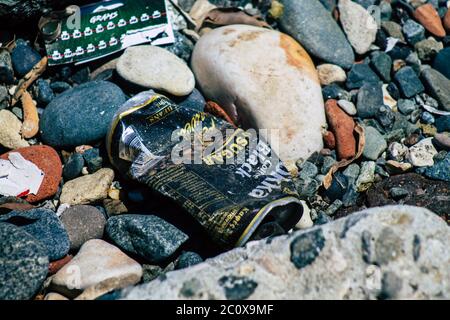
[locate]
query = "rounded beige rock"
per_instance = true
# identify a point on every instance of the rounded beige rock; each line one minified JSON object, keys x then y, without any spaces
{"x":264,"y":80}
{"x":156,"y":68}
{"x":330,"y":73}
{"x":10,"y":127}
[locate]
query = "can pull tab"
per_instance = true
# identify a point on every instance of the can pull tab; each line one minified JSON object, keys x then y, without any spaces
{"x":49,"y":25}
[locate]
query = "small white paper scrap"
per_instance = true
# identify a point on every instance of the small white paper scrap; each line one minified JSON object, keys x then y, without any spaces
{"x":19,"y":176}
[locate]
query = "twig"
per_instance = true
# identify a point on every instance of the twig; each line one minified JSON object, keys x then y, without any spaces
{"x":28,"y":79}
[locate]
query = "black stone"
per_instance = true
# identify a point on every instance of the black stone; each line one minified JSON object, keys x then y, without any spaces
{"x":23,"y":263}
{"x":408,"y":82}
{"x":306,"y":247}
{"x":236,"y":287}
{"x":359,"y":75}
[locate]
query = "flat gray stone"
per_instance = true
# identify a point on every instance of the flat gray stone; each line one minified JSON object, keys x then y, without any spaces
{"x":313,"y":26}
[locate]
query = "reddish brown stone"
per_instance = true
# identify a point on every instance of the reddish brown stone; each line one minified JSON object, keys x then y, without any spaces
{"x":15,"y":206}
{"x":342,"y":126}
{"x":329,"y":140}
{"x":429,"y":18}
{"x":54,"y":266}
{"x":447,"y":21}
{"x":46,"y":159}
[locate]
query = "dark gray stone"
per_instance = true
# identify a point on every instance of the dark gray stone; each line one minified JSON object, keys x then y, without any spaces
{"x":194,"y":100}
{"x":369,"y":100}
{"x":187,"y":259}
{"x":440,"y":170}
{"x":237,"y":288}
{"x":375,"y":143}
{"x":60,"y":86}
{"x":45,"y":226}
{"x":441,"y":62}
{"x":438,"y":86}
{"x":333,"y":91}
{"x":313,"y":26}
{"x":381,"y":63}
{"x":406,"y":106}
{"x":359,"y":75}
{"x":398,"y":193}
{"x":182,"y":47}
{"x":23,"y":261}
{"x":443,"y":123}
{"x":43,"y":92}
{"x":6,"y":69}
{"x":73,"y":166}
{"x":408,"y":82}
{"x":391,"y":285}
{"x":146,"y":235}
{"x":93,"y":159}
{"x":385,"y":117}
{"x":306,"y":247}
{"x":413,"y":31}
{"x":83,"y":223}
{"x":388,"y":246}
{"x":81,"y":115}
{"x":4,"y":98}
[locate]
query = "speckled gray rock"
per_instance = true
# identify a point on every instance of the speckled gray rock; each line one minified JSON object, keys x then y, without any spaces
{"x":45,"y":226}
{"x":23,"y":261}
{"x":398,"y":252}
{"x":438,"y":85}
{"x":146,"y":235}
{"x":80,"y":115}
{"x":83,"y":223}
{"x":312,"y":25}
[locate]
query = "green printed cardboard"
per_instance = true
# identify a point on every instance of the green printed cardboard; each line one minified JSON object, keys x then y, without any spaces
{"x":105,"y":27}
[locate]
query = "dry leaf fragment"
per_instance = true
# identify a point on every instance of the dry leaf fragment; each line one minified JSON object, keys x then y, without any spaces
{"x":28,"y":79}
{"x":219,"y":17}
{"x":216,"y":110}
{"x":343,"y":163}
{"x":30,"y":125}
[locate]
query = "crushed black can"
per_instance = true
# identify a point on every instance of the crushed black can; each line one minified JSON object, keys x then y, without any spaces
{"x":227,"y":178}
